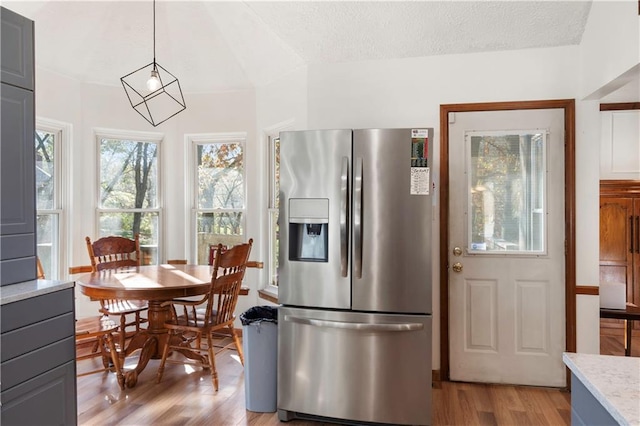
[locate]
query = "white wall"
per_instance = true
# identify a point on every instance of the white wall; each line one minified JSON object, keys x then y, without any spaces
{"x":609,"y":59}
{"x":281,"y":105}
{"x":587,"y":224}
{"x":610,"y":45}
{"x":408,"y":93}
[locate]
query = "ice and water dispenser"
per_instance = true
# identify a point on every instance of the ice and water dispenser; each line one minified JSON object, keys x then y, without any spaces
{"x":309,"y":229}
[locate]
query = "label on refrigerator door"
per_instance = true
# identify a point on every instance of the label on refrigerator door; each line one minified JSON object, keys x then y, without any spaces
{"x":420,"y":181}
{"x":419,"y":133}
{"x":419,"y":148}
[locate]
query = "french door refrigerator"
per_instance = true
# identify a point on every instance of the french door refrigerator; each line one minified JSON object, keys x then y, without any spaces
{"x":354,"y":328}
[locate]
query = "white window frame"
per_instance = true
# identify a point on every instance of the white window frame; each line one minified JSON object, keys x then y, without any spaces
{"x":61,"y":163}
{"x":192,"y":141}
{"x":272,"y":274}
{"x":270,"y":134}
{"x":153,"y":137}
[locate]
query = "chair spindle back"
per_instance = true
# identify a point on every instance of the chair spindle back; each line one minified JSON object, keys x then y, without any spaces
{"x":226,"y":279}
{"x":113,"y":252}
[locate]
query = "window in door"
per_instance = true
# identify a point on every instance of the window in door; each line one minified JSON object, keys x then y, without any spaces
{"x":129,"y":191}
{"x":507,"y":192}
{"x":50,"y":178}
{"x":219,"y":191}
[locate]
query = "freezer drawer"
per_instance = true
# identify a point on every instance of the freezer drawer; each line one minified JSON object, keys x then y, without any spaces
{"x":354,"y":366}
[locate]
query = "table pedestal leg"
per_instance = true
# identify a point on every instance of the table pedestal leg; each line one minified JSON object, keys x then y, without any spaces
{"x":151,"y":341}
{"x":627,"y":337}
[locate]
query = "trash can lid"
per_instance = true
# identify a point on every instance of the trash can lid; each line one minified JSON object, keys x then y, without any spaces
{"x":259,"y":314}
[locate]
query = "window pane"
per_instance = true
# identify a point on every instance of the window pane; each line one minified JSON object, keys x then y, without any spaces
{"x":507,"y":192}
{"x":274,"y":250}
{"x":220,"y":176}
{"x":275,"y":177}
{"x":127,"y":224}
{"x":128,"y":174}
{"x":218,"y":228}
{"x":45,"y":176}
{"x":274,"y":204}
{"x":47,"y":247}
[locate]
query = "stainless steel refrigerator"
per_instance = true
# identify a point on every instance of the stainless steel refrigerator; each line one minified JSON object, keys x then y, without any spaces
{"x":354,"y":331}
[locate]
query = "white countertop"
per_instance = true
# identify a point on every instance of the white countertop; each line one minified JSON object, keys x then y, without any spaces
{"x":28,"y":289}
{"x":613,"y":380}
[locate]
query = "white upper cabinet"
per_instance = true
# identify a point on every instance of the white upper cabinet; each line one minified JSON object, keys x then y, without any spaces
{"x":620,"y":145}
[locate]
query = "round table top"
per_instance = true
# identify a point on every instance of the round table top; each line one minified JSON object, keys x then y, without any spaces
{"x":149,"y":282}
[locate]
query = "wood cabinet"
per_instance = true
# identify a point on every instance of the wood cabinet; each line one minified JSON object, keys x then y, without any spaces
{"x":620,"y":237}
{"x":619,"y":243}
{"x":17,"y":150}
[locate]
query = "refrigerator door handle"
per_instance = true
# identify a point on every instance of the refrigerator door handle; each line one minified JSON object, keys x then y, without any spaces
{"x":357,"y":220}
{"x":411,"y":326}
{"x":344,"y":217}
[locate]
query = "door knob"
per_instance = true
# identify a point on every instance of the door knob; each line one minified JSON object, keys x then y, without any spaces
{"x":457,"y":251}
{"x":457,"y":267}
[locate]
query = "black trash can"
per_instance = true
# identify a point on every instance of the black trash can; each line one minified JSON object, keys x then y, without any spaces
{"x":260,"y":347}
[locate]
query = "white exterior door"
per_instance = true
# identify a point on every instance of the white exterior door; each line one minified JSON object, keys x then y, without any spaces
{"x":506,"y":240}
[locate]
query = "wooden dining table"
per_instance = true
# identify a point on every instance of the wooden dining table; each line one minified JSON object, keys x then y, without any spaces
{"x":629,"y":314}
{"x":157,"y":284}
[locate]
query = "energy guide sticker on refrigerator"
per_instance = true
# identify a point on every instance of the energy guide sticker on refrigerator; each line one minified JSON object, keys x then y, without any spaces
{"x":355,"y":276}
{"x":420,"y":173}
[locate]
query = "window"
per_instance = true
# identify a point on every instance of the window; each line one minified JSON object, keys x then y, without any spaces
{"x":219,"y":192}
{"x":129,"y":190}
{"x":273,"y":203}
{"x":507,"y":192}
{"x":49,"y":149}
{"x":274,"y":208}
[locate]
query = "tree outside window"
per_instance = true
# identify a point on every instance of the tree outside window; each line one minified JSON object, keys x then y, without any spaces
{"x":129,"y":202}
{"x":220,"y":195}
{"x":48,"y":201}
{"x":507,"y":191}
{"x":274,"y":208}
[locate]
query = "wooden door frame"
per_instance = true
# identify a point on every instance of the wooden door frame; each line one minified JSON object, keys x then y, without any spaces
{"x":568,"y":105}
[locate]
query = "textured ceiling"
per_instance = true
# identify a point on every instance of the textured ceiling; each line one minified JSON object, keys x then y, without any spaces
{"x":218,"y":46}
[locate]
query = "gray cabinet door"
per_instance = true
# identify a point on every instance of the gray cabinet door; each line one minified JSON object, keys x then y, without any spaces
{"x":17,"y":60}
{"x":48,"y":399}
{"x":37,"y":360}
{"x":17,"y":185}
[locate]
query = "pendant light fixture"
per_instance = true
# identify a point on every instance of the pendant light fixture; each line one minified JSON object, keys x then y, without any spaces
{"x":153,"y":91}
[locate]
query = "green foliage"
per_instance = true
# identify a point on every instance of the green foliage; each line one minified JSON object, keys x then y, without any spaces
{"x":129,"y":180}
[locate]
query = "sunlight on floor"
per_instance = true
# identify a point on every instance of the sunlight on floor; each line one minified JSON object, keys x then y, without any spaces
{"x":189,"y":369}
{"x":236,"y":358}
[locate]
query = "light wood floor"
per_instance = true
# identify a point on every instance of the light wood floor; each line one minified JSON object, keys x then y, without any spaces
{"x":187,"y":398}
{"x":612,"y":341}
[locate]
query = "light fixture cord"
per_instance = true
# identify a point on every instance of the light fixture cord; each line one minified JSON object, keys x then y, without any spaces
{"x":154,"y":34}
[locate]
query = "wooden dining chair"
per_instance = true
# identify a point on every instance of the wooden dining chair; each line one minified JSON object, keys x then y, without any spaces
{"x":39,"y":269}
{"x":116,"y":252}
{"x":190,"y":335}
{"x":200,"y":311}
{"x":92,"y":330}
{"x":100,"y":329}
{"x":215,"y":248}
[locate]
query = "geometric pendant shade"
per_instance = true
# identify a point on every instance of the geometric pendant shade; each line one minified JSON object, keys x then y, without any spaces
{"x":155,"y":105}
{"x":152,"y":90}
